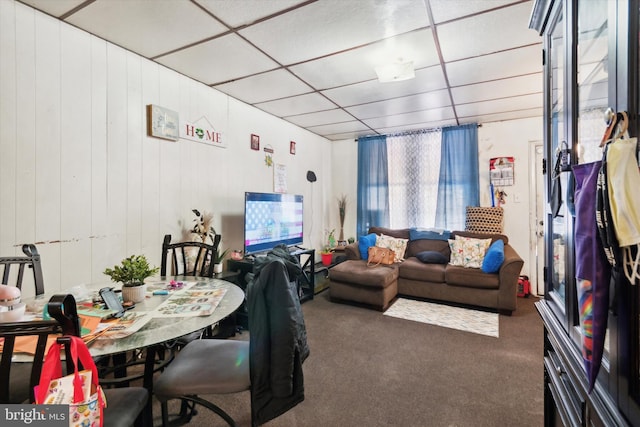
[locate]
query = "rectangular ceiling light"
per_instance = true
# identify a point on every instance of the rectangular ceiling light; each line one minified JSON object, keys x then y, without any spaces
{"x":395,"y":72}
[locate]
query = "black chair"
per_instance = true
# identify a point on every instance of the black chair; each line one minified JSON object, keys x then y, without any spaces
{"x":15,"y":277}
{"x":179,"y":256}
{"x":277,"y":345}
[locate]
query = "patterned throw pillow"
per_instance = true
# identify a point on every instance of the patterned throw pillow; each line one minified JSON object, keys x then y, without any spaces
{"x":398,"y":246}
{"x":469,"y":252}
{"x":457,"y":254}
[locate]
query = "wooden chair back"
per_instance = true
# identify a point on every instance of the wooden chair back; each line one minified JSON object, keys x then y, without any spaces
{"x":188,"y":258}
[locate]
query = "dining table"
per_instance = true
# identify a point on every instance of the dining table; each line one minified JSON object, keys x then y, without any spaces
{"x":169,"y":315}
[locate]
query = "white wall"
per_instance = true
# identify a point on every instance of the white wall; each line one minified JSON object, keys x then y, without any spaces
{"x":80,"y":177}
{"x":508,"y":138}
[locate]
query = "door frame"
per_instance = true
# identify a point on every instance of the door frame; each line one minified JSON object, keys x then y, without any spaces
{"x":536,"y":249}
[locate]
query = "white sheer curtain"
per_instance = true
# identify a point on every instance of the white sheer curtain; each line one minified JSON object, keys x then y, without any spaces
{"x":414,"y":168}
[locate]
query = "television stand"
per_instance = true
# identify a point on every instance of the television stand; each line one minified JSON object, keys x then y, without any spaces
{"x":305,"y":283}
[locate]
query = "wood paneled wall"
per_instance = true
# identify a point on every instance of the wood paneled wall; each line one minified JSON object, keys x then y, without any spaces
{"x":80,"y":177}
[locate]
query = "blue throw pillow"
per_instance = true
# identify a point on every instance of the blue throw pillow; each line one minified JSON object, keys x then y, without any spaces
{"x":432,"y":257}
{"x":494,"y":257}
{"x":364,"y":242}
{"x":429,"y":234}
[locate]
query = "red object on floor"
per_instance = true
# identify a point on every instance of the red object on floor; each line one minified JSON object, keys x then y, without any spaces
{"x":523,"y":287}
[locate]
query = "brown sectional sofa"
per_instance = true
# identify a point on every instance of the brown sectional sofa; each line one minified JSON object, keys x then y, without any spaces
{"x":353,"y":281}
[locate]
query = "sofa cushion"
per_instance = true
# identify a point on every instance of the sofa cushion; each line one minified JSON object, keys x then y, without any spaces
{"x":357,"y":272}
{"x":432,"y":257}
{"x":414,"y":247}
{"x":468,"y":252}
{"x":471,"y":278}
{"x":414,"y":269}
{"x":494,"y":257}
{"x":364,"y":242}
{"x":397,"y":245}
{"x":493,"y":237}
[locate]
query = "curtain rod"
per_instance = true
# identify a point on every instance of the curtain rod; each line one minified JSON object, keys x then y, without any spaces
{"x":412,"y":132}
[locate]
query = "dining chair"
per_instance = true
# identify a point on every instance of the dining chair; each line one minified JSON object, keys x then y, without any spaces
{"x":15,"y":277}
{"x":269,"y":365}
{"x":188,"y":258}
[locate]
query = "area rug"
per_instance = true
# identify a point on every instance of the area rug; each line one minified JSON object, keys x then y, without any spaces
{"x":463,"y":319}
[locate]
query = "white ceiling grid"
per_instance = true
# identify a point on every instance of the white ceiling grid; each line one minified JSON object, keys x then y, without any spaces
{"x":312,"y":62}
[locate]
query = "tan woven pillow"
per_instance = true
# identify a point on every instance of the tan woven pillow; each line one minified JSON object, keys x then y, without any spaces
{"x":484,"y":219}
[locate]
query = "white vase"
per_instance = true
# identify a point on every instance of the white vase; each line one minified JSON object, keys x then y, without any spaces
{"x":134,"y":294}
{"x":217,"y":268}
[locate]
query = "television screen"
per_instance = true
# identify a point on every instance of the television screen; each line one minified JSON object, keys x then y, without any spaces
{"x":271,"y":219}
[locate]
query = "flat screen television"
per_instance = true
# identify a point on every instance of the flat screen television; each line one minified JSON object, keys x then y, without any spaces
{"x":271,"y":219}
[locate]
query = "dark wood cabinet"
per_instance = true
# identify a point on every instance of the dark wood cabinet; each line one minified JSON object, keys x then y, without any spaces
{"x":590,"y":60}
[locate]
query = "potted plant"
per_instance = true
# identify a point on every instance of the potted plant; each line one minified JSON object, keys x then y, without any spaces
{"x":218,"y":257}
{"x":326,"y":256}
{"x":131,"y":273}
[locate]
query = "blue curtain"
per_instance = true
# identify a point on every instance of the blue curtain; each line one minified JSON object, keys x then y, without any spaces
{"x":458,"y":186}
{"x":373,"y":184}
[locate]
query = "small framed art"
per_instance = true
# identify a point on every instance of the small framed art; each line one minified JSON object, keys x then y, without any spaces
{"x":255,"y":142}
{"x":292,"y":147}
{"x":162,"y":122}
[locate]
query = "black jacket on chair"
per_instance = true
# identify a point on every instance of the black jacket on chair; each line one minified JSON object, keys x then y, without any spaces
{"x":278,"y":337}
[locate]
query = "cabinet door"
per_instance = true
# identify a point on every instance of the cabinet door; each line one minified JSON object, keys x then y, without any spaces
{"x":558,"y":249}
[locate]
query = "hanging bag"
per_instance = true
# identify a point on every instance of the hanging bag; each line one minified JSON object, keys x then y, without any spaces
{"x":85,"y":408}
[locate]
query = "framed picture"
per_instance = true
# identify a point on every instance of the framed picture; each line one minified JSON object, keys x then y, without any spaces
{"x":255,"y":142}
{"x":292,"y":147}
{"x":162,"y":123}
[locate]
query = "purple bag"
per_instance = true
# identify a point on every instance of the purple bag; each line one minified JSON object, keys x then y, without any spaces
{"x":593,"y":271}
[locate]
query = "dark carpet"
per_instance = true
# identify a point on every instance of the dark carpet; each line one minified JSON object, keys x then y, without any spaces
{"x":366,"y":369}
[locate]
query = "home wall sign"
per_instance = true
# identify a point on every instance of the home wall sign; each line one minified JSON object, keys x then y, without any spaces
{"x":162,"y":122}
{"x":202,"y":131}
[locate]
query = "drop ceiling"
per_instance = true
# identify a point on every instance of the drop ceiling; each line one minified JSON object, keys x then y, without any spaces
{"x":312,"y":62}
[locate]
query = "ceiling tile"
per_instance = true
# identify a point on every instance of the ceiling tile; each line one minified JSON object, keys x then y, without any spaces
{"x":145,"y":28}
{"x":353,"y":126}
{"x":265,"y":87}
{"x":320,"y":118}
{"x":516,"y":62}
{"x":480,"y":35}
{"x":328,"y":26}
{"x":339,"y":69}
{"x":502,"y":116}
{"x":498,"y":105}
{"x":406,"y":104}
{"x":434,"y":115}
{"x":235,"y":15}
{"x":219,"y":60}
{"x":445,"y":10}
{"x":521,"y":85}
{"x":348,"y":135}
{"x":426,"y":80}
{"x":54,"y":8}
{"x":297,"y":105}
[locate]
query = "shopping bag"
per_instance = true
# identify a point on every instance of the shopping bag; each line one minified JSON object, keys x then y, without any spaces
{"x":593,"y":271}
{"x":378,"y":256}
{"x":86,"y":401}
